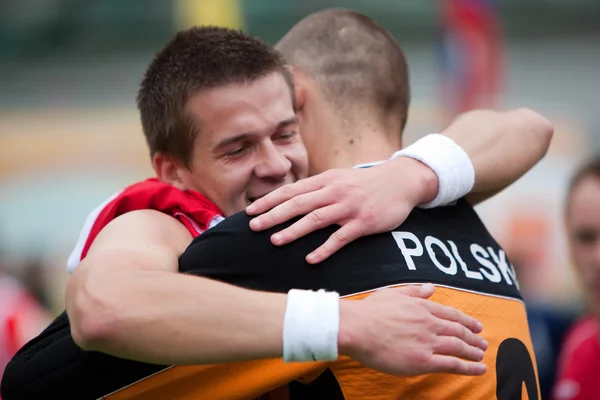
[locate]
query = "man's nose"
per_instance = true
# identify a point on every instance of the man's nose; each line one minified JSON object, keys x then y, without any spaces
{"x":272,"y":162}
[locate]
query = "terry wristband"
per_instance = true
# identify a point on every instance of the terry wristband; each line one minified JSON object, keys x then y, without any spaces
{"x":311,"y":325}
{"x":451,"y":164}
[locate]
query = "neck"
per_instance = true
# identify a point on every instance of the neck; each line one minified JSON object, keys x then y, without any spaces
{"x":352,"y":144}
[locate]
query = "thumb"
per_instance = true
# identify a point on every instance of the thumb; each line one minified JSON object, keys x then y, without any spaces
{"x":422,"y":291}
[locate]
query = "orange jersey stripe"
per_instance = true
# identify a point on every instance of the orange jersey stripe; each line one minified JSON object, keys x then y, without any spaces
{"x":242,"y":380}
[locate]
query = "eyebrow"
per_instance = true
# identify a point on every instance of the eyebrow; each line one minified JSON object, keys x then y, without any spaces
{"x":245,"y":135}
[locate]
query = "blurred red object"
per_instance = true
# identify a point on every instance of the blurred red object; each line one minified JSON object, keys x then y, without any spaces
{"x":22,"y":317}
{"x":470,"y":53}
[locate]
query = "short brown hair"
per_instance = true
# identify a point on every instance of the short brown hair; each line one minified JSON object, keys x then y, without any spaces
{"x":353,"y":59}
{"x":197,"y":59}
{"x":589,"y":169}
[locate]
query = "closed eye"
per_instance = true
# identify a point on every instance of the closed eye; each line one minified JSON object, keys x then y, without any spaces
{"x":286,"y":135}
{"x":236,"y":152}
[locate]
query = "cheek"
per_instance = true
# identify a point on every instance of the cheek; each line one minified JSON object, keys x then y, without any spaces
{"x":217,"y":182}
{"x":233,"y":181}
{"x":582,"y":255}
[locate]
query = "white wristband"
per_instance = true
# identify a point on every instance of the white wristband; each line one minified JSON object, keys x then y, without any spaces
{"x":311,"y":325}
{"x":451,"y":164}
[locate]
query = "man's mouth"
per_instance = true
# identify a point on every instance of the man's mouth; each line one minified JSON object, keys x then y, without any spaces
{"x":252,"y":199}
{"x":262,"y":193}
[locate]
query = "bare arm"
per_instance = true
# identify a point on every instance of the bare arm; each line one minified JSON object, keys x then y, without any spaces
{"x":126,"y":299}
{"x":502,"y":146}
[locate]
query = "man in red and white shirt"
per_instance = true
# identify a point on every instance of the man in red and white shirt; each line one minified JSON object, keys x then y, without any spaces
{"x":579,"y":363}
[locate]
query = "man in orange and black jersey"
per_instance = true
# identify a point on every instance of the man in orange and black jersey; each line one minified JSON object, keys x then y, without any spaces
{"x":449,"y":247}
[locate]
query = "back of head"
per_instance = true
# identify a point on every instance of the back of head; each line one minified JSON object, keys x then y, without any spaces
{"x":197,"y":59}
{"x":354,"y":61}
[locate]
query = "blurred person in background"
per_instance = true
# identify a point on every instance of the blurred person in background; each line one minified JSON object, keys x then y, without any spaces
{"x":579,"y":362}
{"x":32,"y":275}
{"x":22,"y":317}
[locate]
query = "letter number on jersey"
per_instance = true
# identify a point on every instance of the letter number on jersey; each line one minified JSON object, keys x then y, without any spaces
{"x":514,"y":367}
{"x":408,"y":253}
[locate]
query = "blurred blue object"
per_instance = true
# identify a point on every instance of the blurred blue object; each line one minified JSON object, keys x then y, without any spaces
{"x":548,"y":326}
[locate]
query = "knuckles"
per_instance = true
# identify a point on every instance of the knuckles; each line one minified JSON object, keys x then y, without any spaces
{"x":298,"y":202}
{"x":317,"y":217}
{"x":287,"y":191}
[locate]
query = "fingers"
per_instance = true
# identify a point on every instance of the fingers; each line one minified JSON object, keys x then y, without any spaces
{"x":274,"y":198}
{"x":421,"y":291}
{"x":456,"y":330}
{"x":313,"y":203}
{"x":346,"y":234}
{"x":452,"y":314}
{"x":453,"y":346}
{"x":284,"y":194}
{"x":449,"y":364}
{"x":317,"y":219}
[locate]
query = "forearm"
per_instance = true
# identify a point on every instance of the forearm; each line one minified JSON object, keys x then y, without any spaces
{"x":502,"y":146}
{"x":169,"y":318}
{"x":497,"y":149}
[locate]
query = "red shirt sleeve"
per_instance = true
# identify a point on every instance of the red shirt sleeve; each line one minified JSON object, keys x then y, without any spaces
{"x":191,"y":208}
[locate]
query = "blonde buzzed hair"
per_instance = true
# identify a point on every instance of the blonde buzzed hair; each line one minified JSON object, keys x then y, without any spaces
{"x":353,"y":60}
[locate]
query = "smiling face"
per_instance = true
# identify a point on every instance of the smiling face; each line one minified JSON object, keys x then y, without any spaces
{"x":248,"y":142}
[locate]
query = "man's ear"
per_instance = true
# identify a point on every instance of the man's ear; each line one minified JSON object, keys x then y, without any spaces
{"x":299,"y":87}
{"x":167,"y":170}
